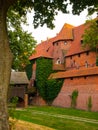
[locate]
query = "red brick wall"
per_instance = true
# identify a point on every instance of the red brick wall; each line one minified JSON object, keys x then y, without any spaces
{"x":58,"y":53}
{"x":86,"y":86}
{"x":90,"y":58}
{"x":34,"y":71}
{"x":37,"y":100}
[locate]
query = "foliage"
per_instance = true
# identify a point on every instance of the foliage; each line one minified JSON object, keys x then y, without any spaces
{"x":97,"y":61}
{"x":12,"y":106}
{"x":31,"y":90}
{"x":89,"y":104}
{"x":45,"y":10}
{"x":21,"y":42}
{"x":90,"y":37}
{"x":53,"y":87}
{"x":79,"y":5}
{"x":74,"y":98}
{"x":43,"y":70}
{"x":29,"y":70}
{"x":48,"y":89}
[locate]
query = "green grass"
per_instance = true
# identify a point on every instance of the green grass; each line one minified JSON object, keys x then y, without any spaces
{"x":57,"y":122}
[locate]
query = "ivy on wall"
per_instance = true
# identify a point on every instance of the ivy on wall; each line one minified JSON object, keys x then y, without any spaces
{"x":53,"y":88}
{"x":74,"y":98}
{"x":89,"y":103}
{"x":48,"y":89}
{"x":29,"y":69}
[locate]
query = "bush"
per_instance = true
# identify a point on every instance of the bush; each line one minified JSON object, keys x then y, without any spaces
{"x":74,"y":98}
{"x":89,"y":104}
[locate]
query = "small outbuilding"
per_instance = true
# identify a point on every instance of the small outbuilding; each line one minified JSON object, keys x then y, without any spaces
{"x":18,"y":88}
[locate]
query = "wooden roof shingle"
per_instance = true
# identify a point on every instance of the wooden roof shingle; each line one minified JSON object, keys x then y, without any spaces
{"x":18,"y":78}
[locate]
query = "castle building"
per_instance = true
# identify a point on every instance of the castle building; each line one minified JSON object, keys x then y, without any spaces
{"x":73,"y":63}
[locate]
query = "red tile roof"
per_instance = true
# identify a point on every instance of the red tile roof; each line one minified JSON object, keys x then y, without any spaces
{"x":65,"y":33}
{"x":58,"y":67}
{"x":45,"y":49}
{"x":68,"y":32}
{"x":76,"y":46}
{"x":75,"y":73}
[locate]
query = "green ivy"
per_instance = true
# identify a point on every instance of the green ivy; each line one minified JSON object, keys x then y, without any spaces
{"x":74,"y":98}
{"x":53,"y":88}
{"x":89,"y":104}
{"x":97,"y":61}
{"x":48,"y":89}
{"x":29,"y":69}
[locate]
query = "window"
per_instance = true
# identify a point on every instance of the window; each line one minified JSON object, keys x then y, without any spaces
{"x":71,"y":78}
{"x":58,"y":61}
{"x":65,"y":42}
{"x":85,"y":77}
{"x":87,"y":53}
{"x":47,"y":49}
{"x":86,"y":64}
{"x":78,"y":55}
{"x":71,"y":57}
{"x":56,"y":43}
{"x":81,"y":41}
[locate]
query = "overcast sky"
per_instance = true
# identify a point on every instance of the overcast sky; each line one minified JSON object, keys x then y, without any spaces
{"x":42,"y":33}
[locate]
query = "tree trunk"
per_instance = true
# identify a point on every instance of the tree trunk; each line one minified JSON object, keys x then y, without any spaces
{"x":5,"y":67}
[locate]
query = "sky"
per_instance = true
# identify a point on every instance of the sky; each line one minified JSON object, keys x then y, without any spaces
{"x":42,"y":33}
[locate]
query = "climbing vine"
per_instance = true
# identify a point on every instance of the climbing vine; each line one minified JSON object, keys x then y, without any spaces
{"x":29,"y":69}
{"x":48,"y":89}
{"x":89,"y":104}
{"x":53,"y":88}
{"x":74,"y":98}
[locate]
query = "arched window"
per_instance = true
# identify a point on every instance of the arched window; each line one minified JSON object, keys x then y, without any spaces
{"x":58,"y":61}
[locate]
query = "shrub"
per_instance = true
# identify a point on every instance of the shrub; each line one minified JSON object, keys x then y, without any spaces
{"x":89,"y":104}
{"x":74,"y":98}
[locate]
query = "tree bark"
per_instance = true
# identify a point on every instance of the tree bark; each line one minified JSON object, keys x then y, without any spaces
{"x":5,"y":66}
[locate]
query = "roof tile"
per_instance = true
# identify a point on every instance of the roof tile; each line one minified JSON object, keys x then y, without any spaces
{"x":75,"y":73}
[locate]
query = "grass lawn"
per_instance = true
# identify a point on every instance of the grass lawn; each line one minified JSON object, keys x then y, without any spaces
{"x":46,"y":116}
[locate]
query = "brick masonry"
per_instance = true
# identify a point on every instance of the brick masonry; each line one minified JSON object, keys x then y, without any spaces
{"x":86,"y":86}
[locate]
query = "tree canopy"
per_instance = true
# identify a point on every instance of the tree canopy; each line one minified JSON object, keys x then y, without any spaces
{"x":22,"y":43}
{"x":45,"y":10}
{"x":90,"y":37}
{"x":79,"y":5}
